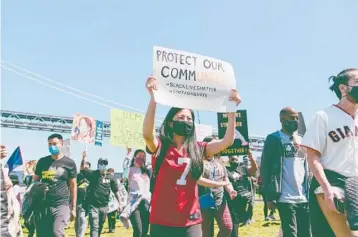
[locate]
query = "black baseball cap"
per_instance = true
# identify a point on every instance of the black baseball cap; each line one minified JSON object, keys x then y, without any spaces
{"x":103,"y":161}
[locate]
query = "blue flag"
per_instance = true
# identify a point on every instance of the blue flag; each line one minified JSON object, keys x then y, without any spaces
{"x":15,"y":160}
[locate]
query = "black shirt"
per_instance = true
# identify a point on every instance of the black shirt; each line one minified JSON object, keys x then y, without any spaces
{"x":82,"y":186}
{"x":56,"y":173}
{"x":100,"y":187}
{"x":243,"y":182}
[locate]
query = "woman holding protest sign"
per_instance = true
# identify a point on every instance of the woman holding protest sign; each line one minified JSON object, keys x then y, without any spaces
{"x":177,"y":161}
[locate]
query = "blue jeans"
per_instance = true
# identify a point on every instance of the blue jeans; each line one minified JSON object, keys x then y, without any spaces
{"x":81,"y":221}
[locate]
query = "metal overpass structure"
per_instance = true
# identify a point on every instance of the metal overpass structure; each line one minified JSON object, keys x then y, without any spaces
{"x":60,"y":124}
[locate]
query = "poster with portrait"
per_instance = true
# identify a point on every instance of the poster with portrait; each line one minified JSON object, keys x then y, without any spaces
{"x":87,"y":130}
{"x":241,"y":143}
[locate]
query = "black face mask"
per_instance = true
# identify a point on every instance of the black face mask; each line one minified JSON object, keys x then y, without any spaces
{"x":354,"y":94}
{"x":291,"y":126}
{"x":182,"y":128}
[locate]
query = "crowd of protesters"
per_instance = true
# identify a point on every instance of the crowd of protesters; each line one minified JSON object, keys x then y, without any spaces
{"x":311,"y":181}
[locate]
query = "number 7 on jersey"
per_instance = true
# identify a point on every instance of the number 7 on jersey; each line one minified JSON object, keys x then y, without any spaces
{"x":181,"y":161}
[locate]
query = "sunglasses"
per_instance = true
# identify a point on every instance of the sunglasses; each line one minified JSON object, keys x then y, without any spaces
{"x":103,"y":162}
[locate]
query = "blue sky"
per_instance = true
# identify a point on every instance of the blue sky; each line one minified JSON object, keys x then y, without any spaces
{"x":282,"y":53}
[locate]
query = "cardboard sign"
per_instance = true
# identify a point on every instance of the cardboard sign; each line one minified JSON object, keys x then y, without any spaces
{"x":127,"y":129}
{"x":241,"y":143}
{"x":113,"y":204}
{"x":193,"y":81}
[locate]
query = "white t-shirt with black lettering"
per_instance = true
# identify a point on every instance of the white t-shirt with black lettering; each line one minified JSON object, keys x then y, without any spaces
{"x":334,"y":134}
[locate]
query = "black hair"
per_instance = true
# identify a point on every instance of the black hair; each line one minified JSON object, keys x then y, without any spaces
{"x":55,"y":135}
{"x":210,"y":138}
{"x":89,"y":164}
{"x":144,"y":169}
{"x":342,"y":78}
{"x":102,"y":161}
{"x":195,"y":153}
{"x":110,"y":170}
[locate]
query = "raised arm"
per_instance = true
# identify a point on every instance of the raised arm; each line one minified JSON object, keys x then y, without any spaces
{"x":84,"y":155}
{"x":216,"y":146}
{"x":254,"y":167}
{"x":149,"y":119}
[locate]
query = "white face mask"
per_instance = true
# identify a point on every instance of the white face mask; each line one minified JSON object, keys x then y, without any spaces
{"x":101,"y":167}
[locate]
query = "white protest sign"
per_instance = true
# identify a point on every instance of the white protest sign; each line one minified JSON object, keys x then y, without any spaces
{"x":113,"y":204}
{"x":193,"y":81}
{"x":203,"y":131}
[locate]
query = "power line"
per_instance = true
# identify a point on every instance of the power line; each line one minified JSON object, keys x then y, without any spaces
{"x":56,"y":88}
{"x":74,"y":89}
{"x":60,"y":89}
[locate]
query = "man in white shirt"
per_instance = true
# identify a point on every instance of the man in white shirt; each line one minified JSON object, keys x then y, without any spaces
{"x":332,"y":149}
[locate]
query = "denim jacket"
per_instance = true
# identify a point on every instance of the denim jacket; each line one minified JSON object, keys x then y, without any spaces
{"x":272,"y":165}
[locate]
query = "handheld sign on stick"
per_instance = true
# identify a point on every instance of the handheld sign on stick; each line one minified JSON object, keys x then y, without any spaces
{"x":241,"y":143}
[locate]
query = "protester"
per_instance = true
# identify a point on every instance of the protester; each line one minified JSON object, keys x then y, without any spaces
{"x":27,"y":211}
{"x":29,"y":171}
{"x":214,"y":169}
{"x":58,"y":173}
{"x":5,"y":185}
{"x":238,"y":176}
{"x":16,"y":188}
{"x":112,"y":216}
{"x":285,"y":176}
{"x":139,"y":195}
{"x":251,"y":168}
{"x":175,"y":209}
{"x":15,"y":227}
{"x":82,"y":207}
{"x":331,"y":141}
{"x":99,"y":190}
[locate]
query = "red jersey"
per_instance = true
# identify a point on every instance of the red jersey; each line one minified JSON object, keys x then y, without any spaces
{"x":175,"y":200}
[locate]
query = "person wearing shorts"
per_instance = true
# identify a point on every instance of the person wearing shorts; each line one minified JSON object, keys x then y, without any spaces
{"x":331,"y":142}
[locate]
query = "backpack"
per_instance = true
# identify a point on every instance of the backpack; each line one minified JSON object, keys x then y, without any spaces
{"x":158,"y":163}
